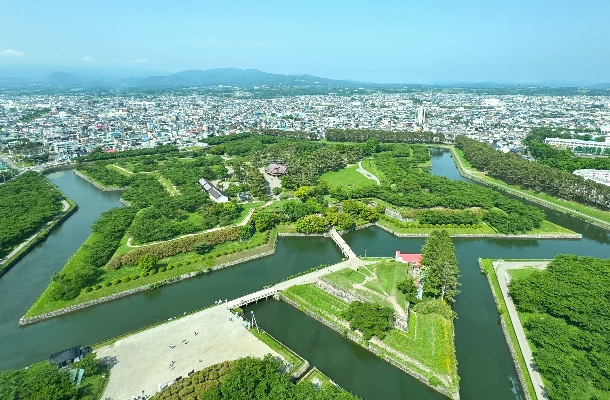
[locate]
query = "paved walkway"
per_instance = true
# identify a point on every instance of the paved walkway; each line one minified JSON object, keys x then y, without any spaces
{"x":349,"y":253}
{"x":142,"y":361}
{"x":366,"y":173}
{"x":501,"y":268}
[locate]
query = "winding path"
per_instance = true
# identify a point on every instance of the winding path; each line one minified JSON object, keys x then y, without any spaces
{"x":366,"y":173}
{"x":501,"y":269}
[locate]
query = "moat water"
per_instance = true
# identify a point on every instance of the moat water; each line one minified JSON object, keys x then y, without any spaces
{"x":484,"y":360}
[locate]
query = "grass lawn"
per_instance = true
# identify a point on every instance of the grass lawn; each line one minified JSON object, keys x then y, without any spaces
{"x":277,"y":205}
{"x":587,"y":210}
{"x":315,"y":375}
{"x":314,"y":299}
{"x":487,"y":268}
{"x":520,"y":273}
{"x":182,"y":264}
{"x":348,"y":178}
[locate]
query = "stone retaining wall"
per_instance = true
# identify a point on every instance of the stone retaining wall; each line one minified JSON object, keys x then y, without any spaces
{"x":489,"y":235}
{"x":42,"y":317}
{"x":97,"y":185}
{"x":511,"y":347}
{"x":396,"y":215}
{"x":359,"y":340}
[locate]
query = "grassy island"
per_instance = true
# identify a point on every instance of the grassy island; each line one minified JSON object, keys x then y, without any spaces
{"x":377,"y":306}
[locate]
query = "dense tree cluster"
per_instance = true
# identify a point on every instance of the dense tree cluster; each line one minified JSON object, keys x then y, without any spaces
{"x":26,"y":204}
{"x":44,"y":381}
{"x":99,"y":172}
{"x":446,"y":217}
{"x":568,"y":322}
{"x":177,"y":246}
{"x":536,"y":176}
{"x":98,"y":154}
{"x":248,"y":378}
{"x":370,"y":319}
{"x":362,"y":135}
{"x":311,"y":224}
{"x":108,"y":231}
{"x":415,"y":188}
{"x":440,"y":269}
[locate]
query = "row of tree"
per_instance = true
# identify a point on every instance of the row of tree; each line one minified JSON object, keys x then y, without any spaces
{"x":362,"y":135}
{"x":514,"y":170}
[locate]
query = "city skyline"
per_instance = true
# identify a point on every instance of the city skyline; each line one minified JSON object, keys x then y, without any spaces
{"x":395,"y":42}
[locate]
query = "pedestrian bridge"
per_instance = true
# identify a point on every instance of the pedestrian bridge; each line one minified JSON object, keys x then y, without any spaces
{"x":345,"y":249}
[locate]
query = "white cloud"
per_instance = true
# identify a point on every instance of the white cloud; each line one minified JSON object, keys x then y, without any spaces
{"x":88,"y":59}
{"x":11,"y":53}
{"x":141,"y":61}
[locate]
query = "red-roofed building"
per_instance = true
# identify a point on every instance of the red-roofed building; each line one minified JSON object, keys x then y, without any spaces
{"x":413,"y":259}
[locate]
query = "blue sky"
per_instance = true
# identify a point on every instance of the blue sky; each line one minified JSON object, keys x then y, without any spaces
{"x":376,"y":41}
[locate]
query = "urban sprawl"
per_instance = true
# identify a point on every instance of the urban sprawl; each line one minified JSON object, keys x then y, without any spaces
{"x":61,"y":127}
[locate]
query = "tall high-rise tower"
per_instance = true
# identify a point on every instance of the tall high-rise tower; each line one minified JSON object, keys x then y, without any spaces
{"x":421,"y":115}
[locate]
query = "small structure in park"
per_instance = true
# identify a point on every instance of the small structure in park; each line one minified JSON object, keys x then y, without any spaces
{"x":413,"y":259}
{"x":213,"y":191}
{"x":66,"y":357}
{"x":276,"y":169}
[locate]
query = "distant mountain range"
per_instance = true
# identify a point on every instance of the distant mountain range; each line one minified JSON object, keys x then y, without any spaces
{"x":241,"y":78}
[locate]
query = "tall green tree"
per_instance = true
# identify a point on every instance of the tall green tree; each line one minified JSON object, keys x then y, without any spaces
{"x":440,"y":269}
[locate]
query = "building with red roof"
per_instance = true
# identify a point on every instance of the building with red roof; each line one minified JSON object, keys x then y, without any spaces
{"x":413,"y":259}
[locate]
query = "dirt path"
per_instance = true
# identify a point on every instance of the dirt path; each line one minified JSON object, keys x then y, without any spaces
{"x":366,"y":173}
{"x":501,"y":268}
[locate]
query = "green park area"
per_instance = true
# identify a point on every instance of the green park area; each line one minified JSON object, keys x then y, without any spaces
{"x":27,"y":203}
{"x":377,"y":306}
{"x":562,"y":312}
{"x":172,"y":227}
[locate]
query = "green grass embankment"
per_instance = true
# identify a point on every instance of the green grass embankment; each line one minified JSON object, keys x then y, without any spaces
{"x":182,"y":264}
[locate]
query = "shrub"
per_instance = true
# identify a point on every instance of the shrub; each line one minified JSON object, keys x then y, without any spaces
{"x":134,"y":277}
{"x":143,"y":274}
{"x":152,"y":272}
{"x":116,"y":281}
{"x":434,"y":381}
{"x":170,"y":267}
{"x":96,"y":286}
{"x":370,"y":319}
{"x":162,"y":269}
{"x":147,"y":261}
{"x":88,"y":289}
{"x":126,"y":279}
{"x":106,"y":284}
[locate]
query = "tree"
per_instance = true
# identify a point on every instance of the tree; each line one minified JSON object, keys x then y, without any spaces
{"x":147,"y":262}
{"x":409,"y":289}
{"x":370,"y":319}
{"x":439,"y":269}
{"x":201,"y":248}
{"x":311,"y":224}
{"x":302,"y":193}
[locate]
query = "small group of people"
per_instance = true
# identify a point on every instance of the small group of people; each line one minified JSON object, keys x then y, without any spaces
{"x":171,"y":364}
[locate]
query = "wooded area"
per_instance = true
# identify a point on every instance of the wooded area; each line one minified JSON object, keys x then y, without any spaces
{"x":514,"y":170}
{"x":248,"y":378}
{"x":565,"y":312}
{"x":26,"y":204}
